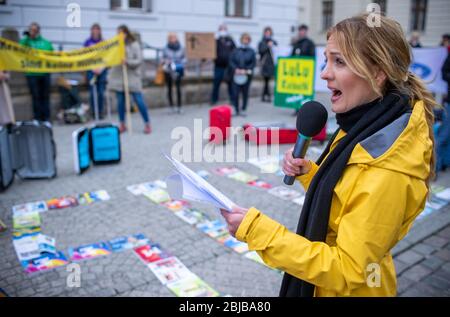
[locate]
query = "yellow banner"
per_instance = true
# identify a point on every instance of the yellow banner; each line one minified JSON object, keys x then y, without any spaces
{"x":295,"y":76}
{"x":15,"y":57}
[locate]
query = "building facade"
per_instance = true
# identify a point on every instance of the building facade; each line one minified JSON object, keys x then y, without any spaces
{"x":430,"y":18}
{"x":153,"y":19}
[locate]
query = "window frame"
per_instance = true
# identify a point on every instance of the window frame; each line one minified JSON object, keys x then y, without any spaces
{"x":147,"y":6}
{"x":419,"y":10}
{"x":234,"y":15}
{"x":327,"y":15}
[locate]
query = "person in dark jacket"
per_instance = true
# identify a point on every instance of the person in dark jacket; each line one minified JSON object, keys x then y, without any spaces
{"x":304,"y":46}
{"x":242,"y":63}
{"x":446,"y":66}
{"x":96,"y":78}
{"x":173,"y":61}
{"x":38,"y":83}
{"x":224,"y":47}
{"x":267,"y":62}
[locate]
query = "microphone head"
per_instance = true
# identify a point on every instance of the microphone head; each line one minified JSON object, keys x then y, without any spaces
{"x":311,"y":118}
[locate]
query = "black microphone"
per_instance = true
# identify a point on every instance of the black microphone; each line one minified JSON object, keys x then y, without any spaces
{"x":311,"y":118}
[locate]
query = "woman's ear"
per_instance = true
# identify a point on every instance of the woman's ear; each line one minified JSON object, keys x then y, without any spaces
{"x":380,"y":78}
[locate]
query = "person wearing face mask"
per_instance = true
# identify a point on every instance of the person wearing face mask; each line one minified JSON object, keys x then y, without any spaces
{"x":224,"y":46}
{"x":267,"y":63}
{"x":38,"y":83}
{"x":370,"y":183}
{"x":173,"y":61}
{"x":242,"y":63}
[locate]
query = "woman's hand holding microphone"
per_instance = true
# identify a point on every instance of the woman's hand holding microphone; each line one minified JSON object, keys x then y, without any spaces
{"x":295,"y":166}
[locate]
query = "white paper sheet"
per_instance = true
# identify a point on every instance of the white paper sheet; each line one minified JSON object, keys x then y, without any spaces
{"x":189,"y":185}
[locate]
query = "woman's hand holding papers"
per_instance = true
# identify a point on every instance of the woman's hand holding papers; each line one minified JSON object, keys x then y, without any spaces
{"x":234,"y":218}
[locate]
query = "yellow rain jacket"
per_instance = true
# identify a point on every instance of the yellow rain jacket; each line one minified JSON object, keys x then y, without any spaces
{"x":381,"y":191}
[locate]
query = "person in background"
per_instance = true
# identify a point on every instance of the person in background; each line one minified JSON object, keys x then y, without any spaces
{"x":97,"y":78}
{"x":173,"y":62}
{"x":304,"y":46}
{"x":414,"y":41}
{"x":446,"y":66}
{"x":224,"y":47}
{"x":267,"y":63}
{"x":242,"y":63}
{"x":442,"y":125}
{"x":38,"y":83}
{"x":133,"y":62}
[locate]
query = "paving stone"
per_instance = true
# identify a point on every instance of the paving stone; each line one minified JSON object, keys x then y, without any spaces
{"x":445,"y":233}
{"x":424,"y":249}
{"x":433,"y":263}
{"x":436,"y":241}
{"x":421,"y":290}
{"x":443,"y":254}
{"x":416,"y":273}
{"x":400,"y":266}
{"x":438,"y":282}
{"x":403,"y":284}
{"x":410,"y":257}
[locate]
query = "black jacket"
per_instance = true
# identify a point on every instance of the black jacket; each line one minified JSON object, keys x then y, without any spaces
{"x":304,"y":47}
{"x":266,"y":57}
{"x":243,"y":58}
{"x":446,"y":75}
{"x":224,"y":47}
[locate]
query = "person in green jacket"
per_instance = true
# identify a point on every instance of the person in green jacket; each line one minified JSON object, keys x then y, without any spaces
{"x":38,"y":83}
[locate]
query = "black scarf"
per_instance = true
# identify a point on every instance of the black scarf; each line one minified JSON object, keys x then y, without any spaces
{"x":348,"y":119}
{"x":174,"y":46}
{"x":313,"y":223}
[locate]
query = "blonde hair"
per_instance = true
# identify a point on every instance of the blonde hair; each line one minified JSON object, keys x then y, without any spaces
{"x":369,"y":49}
{"x":246,"y":35}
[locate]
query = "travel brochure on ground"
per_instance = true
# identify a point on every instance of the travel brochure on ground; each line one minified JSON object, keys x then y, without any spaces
{"x":214,"y":228}
{"x":38,"y":252}
{"x":60,"y":202}
{"x":89,"y":251}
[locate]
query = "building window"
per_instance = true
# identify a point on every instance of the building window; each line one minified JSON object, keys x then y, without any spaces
{"x":238,"y":8}
{"x":327,"y":15}
{"x":382,"y":4}
{"x":418,"y":15}
{"x":139,"y":5}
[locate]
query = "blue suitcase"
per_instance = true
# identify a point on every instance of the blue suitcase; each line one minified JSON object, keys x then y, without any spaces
{"x":82,"y":156}
{"x":104,"y":141}
{"x":99,"y":144}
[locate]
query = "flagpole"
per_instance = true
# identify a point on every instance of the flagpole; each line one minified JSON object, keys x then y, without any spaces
{"x":127,"y":97}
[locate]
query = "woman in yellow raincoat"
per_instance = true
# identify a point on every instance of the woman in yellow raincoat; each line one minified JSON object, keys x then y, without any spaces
{"x":371,"y":182}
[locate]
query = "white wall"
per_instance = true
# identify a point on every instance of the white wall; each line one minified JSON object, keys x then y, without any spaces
{"x":177,"y":16}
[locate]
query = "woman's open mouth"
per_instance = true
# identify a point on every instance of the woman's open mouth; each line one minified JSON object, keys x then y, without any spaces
{"x":335,"y":95}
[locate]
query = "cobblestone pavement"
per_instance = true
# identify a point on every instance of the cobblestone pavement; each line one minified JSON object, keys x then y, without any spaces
{"x":422,"y":259}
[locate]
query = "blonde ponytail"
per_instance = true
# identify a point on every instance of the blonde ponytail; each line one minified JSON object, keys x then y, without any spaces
{"x":416,"y":89}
